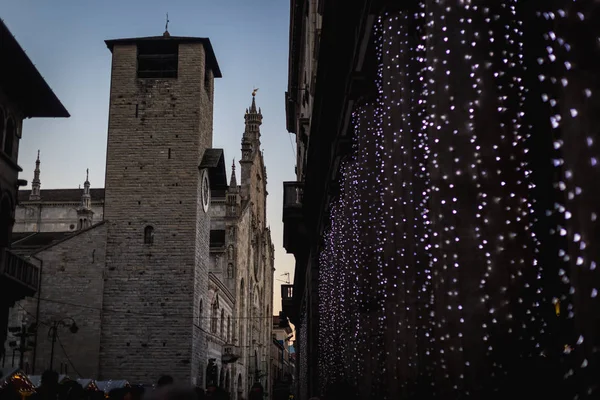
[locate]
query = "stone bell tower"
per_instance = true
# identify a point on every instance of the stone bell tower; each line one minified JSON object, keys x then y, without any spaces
{"x":156,"y":207}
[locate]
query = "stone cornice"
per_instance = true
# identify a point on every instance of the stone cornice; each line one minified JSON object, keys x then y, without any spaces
{"x":217,"y":282}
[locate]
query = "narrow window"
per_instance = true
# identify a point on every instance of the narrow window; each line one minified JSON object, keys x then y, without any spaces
{"x":242,"y":306}
{"x":169,"y":154}
{"x":222,"y":322}
{"x":148,"y":235}
{"x":136,"y":110}
{"x":157,"y":60}
{"x":214,"y":317}
{"x":9,"y":137}
{"x":200,"y":314}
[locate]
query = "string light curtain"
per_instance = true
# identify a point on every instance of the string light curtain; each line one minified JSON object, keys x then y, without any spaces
{"x":567,"y":67}
{"x":455,"y":305}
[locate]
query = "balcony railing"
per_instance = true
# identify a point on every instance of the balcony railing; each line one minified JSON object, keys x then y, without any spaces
{"x":19,"y":270}
{"x":292,"y":194}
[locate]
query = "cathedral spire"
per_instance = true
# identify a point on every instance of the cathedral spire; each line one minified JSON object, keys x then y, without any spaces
{"x":253,"y":106}
{"x":233,"y":181}
{"x":86,"y":198}
{"x":36,"y":183}
{"x":251,"y":138}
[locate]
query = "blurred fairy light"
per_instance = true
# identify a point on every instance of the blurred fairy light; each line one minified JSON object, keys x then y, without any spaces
{"x":430,"y":267}
{"x":447,"y":201}
{"x":568,"y":71}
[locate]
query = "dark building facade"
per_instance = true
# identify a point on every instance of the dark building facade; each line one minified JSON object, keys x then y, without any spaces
{"x":444,"y":218}
{"x":23,"y":94}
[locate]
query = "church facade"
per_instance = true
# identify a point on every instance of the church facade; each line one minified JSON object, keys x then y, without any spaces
{"x":168,"y":269}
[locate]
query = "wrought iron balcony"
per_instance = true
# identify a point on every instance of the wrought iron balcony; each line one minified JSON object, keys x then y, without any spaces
{"x":293,"y":227}
{"x":16,"y":269}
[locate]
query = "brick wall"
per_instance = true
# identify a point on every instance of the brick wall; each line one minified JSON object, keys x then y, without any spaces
{"x":156,"y":288}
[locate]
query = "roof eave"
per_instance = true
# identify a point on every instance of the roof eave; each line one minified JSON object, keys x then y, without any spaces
{"x":41,"y":101}
{"x":210,"y":54}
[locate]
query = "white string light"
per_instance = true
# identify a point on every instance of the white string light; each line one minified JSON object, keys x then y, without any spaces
{"x":453,"y":274}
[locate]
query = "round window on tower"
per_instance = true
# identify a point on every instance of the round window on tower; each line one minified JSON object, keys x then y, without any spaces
{"x":205,"y":191}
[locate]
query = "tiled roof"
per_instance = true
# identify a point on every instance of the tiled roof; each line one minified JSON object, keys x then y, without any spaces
{"x":211,"y":157}
{"x":62,"y":195}
{"x":214,"y":161}
{"x":24,"y":243}
{"x":27,"y":243}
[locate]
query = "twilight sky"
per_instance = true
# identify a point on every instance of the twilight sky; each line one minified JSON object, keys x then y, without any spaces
{"x":65,"y":40}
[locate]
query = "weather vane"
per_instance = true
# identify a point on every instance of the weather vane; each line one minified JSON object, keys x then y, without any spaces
{"x":167,"y":24}
{"x":254,"y":91}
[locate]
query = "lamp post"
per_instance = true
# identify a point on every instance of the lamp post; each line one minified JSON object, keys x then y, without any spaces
{"x":53,"y":333}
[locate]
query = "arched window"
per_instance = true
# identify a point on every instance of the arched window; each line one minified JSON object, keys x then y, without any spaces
{"x":222,"y":322}
{"x":214,"y":316}
{"x":148,"y":235}
{"x":230,"y":270}
{"x":9,"y":136}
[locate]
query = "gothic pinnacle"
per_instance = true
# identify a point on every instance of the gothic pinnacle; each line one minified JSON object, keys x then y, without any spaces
{"x":233,"y":181}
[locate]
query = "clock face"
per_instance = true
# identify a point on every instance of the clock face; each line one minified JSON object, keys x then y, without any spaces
{"x":205,"y":191}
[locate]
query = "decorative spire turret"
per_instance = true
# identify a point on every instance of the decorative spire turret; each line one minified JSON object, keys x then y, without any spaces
{"x":86,"y":198}
{"x":233,"y":182}
{"x":36,"y":184}
{"x":251,"y":138}
{"x":233,"y":195}
{"x":84,"y":212}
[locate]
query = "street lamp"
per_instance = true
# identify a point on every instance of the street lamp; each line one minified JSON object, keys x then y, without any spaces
{"x":53,"y":333}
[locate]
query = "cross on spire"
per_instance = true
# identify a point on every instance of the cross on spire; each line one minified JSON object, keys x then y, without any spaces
{"x":166,"y":34}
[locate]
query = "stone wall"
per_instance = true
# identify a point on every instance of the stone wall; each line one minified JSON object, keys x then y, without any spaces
{"x":54,"y":217}
{"x":71,"y":288}
{"x":156,"y":287}
{"x":219,"y":332}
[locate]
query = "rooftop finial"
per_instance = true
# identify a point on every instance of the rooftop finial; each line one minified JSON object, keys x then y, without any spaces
{"x":166,"y":34}
{"x":254,"y":92}
{"x":87,"y":174}
{"x":233,"y":181}
{"x":36,"y":183}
